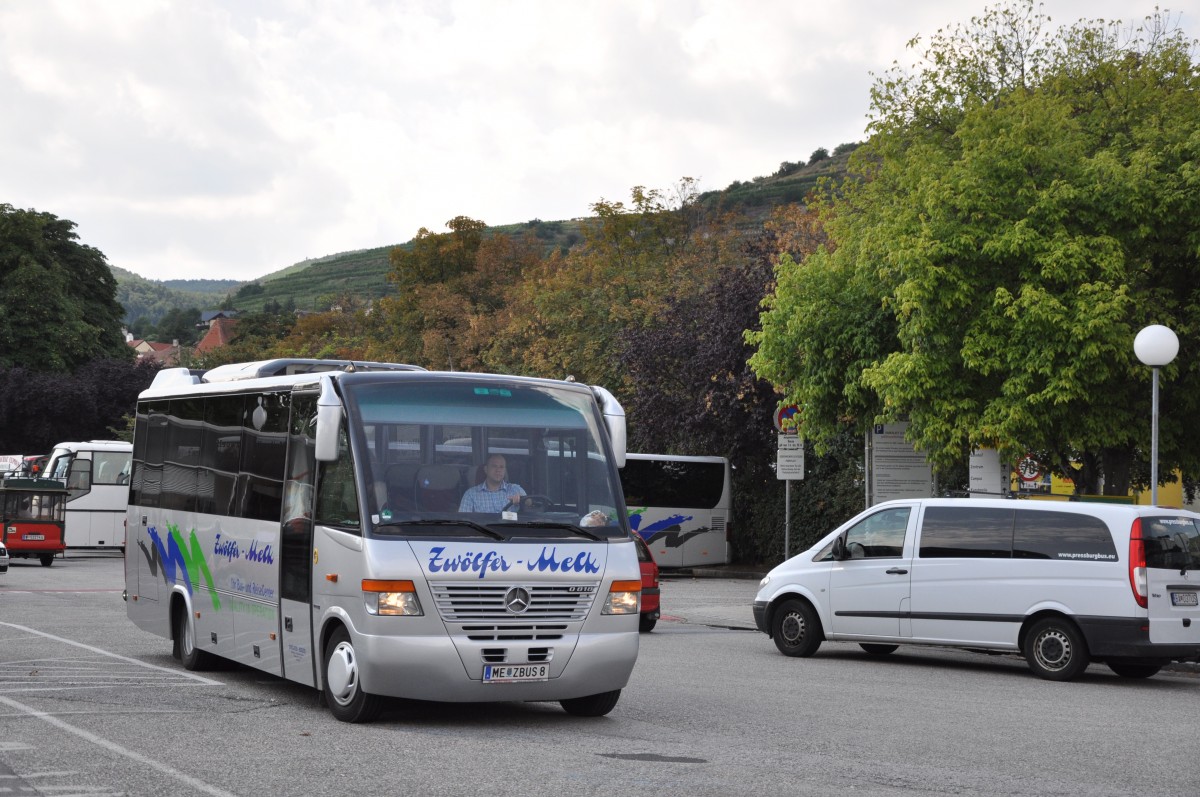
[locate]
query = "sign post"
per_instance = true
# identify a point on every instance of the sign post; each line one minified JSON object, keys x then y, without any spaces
{"x":789,"y":463}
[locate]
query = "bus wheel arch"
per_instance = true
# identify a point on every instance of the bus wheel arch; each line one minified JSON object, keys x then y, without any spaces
{"x":341,"y":679}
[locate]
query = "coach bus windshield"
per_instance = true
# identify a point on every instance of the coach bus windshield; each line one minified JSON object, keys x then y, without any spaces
{"x":448,"y":456}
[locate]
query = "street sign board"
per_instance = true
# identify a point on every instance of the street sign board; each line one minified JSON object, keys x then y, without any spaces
{"x":789,"y":463}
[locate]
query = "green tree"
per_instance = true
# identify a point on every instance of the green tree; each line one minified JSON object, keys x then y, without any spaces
{"x":422,"y":321}
{"x":1025,"y":204}
{"x":632,"y":257}
{"x":58,"y":306}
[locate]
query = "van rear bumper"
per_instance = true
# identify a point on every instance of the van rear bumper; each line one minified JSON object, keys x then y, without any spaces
{"x":1129,"y":637}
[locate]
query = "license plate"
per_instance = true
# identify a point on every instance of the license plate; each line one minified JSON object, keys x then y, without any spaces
{"x":1183,"y":599}
{"x":503,"y":674}
{"x":43,"y":536}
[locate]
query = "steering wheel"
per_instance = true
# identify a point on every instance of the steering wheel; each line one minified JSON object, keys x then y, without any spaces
{"x":538,"y":502}
{"x":857,"y":550}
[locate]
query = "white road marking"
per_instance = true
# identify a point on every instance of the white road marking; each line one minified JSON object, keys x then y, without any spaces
{"x":101,"y":651}
{"x":100,"y":741}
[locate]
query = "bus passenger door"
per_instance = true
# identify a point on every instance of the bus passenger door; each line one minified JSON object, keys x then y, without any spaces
{"x":298,"y":653}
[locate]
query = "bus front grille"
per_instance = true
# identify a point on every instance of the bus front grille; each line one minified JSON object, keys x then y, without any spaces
{"x":513,"y":633}
{"x":497,"y":602}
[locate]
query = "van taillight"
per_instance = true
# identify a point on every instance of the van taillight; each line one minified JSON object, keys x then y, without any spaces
{"x":1137,"y":563}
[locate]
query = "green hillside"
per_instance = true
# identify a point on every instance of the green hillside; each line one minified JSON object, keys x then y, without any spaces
{"x":314,"y":284}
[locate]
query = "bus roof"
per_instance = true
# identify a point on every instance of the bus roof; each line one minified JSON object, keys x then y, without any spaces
{"x":674,"y":458}
{"x":96,"y":445}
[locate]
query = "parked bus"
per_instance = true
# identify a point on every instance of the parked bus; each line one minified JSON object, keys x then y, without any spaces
{"x":303,"y":518}
{"x":31,"y":514}
{"x":97,"y":477}
{"x":680,"y":506}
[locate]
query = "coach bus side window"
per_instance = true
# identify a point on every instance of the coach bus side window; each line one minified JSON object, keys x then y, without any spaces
{"x":337,"y":501}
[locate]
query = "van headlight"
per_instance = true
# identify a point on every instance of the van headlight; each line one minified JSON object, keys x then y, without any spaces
{"x":765,"y":581}
{"x":623,"y":597}
{"x":390,"y":597}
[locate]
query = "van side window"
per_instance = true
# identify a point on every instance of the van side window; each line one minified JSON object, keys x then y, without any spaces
{"x":966,"y":532}
{"x":880,"y":536}
{"x":1062,"y":535}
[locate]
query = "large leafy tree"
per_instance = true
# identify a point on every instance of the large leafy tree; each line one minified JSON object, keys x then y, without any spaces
{"x":39,"y":409}
{"x":58,"y":306}
{"x":633,"y":256}
{"x":1026,"y":203}
{"x":454,"y":294}
{"x":692,"y":392}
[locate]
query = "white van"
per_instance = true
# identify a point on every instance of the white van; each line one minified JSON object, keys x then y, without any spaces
{"x":1064,"y":583}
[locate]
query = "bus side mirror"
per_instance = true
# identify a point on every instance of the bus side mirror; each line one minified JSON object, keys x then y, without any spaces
{"x":329,"y":422}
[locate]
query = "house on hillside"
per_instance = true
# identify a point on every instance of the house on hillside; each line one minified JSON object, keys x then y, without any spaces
{"x":220,"y":332}
{"x":165,"y":353}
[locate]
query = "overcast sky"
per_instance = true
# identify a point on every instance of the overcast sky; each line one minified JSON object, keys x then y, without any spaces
{"x":232,"y":139}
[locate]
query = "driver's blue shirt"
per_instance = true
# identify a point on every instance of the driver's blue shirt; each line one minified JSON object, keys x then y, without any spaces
{"x":480,"y":499}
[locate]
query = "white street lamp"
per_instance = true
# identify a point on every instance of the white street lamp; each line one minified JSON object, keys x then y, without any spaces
{"x":1155,"y":346}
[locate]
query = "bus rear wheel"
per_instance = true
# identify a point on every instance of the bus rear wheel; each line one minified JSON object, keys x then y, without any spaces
{"x":592,"y":705}
{"x":185,"y":649}
{"x":343,"y":689}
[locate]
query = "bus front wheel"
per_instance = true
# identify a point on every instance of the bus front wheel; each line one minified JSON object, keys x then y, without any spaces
{"x":343,"y":689}
{"x":592,"y":705}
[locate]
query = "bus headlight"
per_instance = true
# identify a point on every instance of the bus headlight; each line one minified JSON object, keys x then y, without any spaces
{"x":391,"y":597}
{"x":623,"y":597}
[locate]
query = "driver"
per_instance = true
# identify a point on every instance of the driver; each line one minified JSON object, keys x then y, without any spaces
{"x":494,"y":493}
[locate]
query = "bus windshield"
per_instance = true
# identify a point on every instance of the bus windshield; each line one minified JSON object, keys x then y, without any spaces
{"x":464,"y":457}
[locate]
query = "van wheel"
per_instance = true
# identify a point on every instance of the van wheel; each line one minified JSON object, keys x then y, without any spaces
{"x":343,"y":689}
{"x":592,"y":705}
{"x":876,"y":649}
{"x":47,"y":559}
{"x":796,"y":629}
{"x":646,"y":623}
{"x":185,"y":650}
{"x":1055,"y":650}
{"x":1127,"y":669}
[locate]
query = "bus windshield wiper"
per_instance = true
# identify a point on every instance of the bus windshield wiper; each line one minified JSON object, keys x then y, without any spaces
{"x":546,"y":524}
{"x":495,"y":535}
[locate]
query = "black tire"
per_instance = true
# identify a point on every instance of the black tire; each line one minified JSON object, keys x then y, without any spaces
{"x":1055,"y":650}
{"x":185,"y":649}
{"x":876,"y":649}
{"x":592,"y":705}
{"x":343,"y":690}
{"x":647,"y":623}
{"x":1127,"y":669}
{"x":796,"y":629}
{"x":47,"y":559}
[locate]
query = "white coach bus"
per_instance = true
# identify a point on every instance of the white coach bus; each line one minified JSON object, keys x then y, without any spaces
{"x":680,"y":506}
{"x":96,"y":473}
{"x":303,"y":517}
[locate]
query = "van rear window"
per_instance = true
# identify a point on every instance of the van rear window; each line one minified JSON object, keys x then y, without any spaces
{"x":1062,"y":535}
{"x":1172,"y":542}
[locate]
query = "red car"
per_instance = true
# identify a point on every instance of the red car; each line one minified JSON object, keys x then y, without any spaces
{"x":650,"y":595}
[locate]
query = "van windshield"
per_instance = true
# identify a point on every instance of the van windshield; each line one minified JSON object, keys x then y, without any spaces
{"x":1172,"y":542}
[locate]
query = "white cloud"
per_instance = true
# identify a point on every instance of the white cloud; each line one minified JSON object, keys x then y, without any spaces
{"x":231,"y":139}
